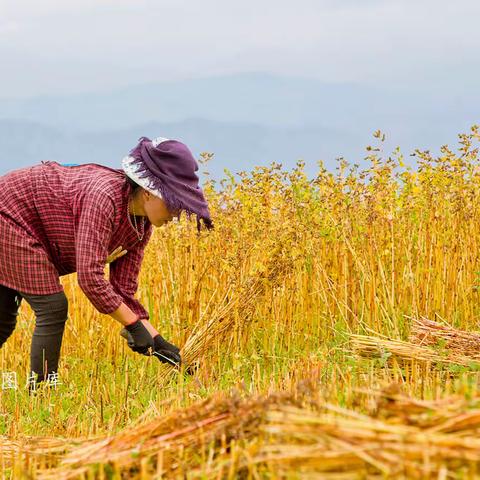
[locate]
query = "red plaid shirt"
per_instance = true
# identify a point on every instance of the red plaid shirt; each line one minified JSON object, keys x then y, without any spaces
{"x":56,"y":220}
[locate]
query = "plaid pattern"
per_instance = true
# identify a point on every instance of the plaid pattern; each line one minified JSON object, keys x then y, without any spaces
{"x":56,"y":220}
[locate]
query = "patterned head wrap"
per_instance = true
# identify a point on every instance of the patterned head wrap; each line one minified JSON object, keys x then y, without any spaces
{"x":166,"y":168}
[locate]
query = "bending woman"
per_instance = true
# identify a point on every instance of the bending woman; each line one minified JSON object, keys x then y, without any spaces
{"x":57,"y":219}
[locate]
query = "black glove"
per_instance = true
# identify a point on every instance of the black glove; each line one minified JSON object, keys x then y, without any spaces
{"x":141,"y":340}
{"x":166,"y":352}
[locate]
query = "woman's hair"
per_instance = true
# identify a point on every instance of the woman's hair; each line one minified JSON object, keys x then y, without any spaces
{"x":133,"y":184}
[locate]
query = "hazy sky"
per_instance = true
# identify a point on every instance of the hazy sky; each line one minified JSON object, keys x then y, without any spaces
{"x":59,"y":46}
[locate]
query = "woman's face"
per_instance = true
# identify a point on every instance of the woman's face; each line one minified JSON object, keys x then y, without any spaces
{"x":156,"y":210}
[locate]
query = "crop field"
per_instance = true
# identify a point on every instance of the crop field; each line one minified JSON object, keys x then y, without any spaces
{"x":331,"y":326}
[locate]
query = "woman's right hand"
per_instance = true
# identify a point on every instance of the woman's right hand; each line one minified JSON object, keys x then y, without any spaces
{"x":141,"y":340}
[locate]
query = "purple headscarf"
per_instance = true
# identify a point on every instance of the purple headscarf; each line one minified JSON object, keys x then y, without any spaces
{"x":170,"y":168}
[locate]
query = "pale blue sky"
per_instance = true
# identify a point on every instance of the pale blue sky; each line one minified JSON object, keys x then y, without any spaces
{"x":58,"y":46}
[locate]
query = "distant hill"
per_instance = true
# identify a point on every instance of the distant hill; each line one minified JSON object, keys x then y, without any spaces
{"x":244,"y":119}
{"x":257,"y":97}
{"x":237,"y":146}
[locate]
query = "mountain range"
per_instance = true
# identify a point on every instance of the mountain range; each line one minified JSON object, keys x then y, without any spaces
{"x":243,"y":119}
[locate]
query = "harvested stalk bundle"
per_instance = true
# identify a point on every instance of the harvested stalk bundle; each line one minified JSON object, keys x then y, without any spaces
{"x":38,"y":450}
{"x":47,"y":446}
{"x":387,"y":349}
{"x":240,"y":296}
{"x":430,"y":333}
{"x":218,"y":419}
{"x":287,"y":434}
{"x":341,"y":440}
{"x":398,"y":407}
{"x":336,"y":441}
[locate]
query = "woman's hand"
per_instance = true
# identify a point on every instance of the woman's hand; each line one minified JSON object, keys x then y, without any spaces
{"x":166,"y":351}
{"x":140,"y":340}
{"x":117,"y":253}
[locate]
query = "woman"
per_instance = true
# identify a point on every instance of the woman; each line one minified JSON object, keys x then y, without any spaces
{"x":57,"y":219}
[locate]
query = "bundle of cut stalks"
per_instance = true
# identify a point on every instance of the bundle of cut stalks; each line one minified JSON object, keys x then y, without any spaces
{"x":288,"y":434}
{"x":429,"y":341}
{"x":397,"y":407}
{"x":240,"y":296}
{"x":35,"y":452}
{"x":388,"y":349}
{"x":36,"y":445}
{"x":429,"y":333}
{"x":216,"y":421}
{"x":339,"y":440}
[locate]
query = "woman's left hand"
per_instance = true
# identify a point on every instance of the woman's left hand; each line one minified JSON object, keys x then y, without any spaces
{"x":117,"y":253}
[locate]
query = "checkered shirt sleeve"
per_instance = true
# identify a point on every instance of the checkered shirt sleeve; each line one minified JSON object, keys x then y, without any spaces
{"x":124,"y":275}
{"x":93,"y":218}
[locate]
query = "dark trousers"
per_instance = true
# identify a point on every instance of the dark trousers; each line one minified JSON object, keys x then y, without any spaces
{"x":51,"y":312}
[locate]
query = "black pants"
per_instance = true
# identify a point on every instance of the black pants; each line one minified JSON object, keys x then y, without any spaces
{"x":51,"y":312}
